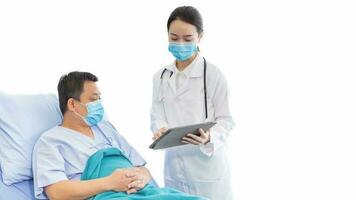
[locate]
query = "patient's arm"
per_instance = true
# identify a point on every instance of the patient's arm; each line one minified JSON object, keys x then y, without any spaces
{"x":76,"y":189}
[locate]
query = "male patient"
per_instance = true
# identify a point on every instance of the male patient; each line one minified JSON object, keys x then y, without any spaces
{"x":61,"y":153}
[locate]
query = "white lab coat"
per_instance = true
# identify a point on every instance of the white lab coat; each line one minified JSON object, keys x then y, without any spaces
{"x":201,"y":170}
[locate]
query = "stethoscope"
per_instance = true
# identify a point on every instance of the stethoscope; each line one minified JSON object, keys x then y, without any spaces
{"x":205,"y":96}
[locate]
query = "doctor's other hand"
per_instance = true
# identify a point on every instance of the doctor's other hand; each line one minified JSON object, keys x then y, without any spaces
{"x":196,"y":140}
{"x":159,"y":133}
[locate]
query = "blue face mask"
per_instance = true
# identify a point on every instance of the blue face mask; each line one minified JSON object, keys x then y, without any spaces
{"x":95,"y":113}
{"x":182,"y":51}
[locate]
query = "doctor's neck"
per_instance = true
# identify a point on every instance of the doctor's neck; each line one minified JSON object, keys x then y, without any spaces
{"x":181,"y":65}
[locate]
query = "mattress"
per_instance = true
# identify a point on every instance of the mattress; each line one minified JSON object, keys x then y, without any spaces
{"x":18,"y":191}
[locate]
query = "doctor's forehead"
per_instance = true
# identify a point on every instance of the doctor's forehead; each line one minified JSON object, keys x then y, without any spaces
{"x":181,"y":28}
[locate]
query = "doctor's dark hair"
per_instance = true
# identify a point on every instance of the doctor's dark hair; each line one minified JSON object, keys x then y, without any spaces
{"x":71,"y":86}
{"x":188,"y":14}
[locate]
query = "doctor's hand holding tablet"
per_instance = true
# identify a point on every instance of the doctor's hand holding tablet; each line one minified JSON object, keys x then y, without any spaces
{"x":188,"y":138}
{"x":190,"y":103}
{"x":191,"y":134}
{"x":203,"y":138}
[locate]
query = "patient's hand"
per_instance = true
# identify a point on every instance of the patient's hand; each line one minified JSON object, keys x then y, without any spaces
{"x":142,"y":177}
{"x":120,"y":179}
{"x":159,"y":133}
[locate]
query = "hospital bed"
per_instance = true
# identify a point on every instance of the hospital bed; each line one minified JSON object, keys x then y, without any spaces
{"x":18,"y":191}
{"x":18,"y":114}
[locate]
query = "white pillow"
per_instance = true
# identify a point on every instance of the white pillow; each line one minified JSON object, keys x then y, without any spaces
{"x":23,"y":118}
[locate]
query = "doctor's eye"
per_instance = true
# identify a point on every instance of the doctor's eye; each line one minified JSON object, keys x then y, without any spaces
{"x":173,"y":37}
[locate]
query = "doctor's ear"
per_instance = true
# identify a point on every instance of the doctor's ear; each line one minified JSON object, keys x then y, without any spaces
{"x":201,"y":36}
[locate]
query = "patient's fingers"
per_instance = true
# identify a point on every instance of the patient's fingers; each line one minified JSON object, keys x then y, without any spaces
{"x":130,"y":191}
{"x":139,"y":183}
{"x":129,"y":175}
{"x":128,"y":181}
{"x":120,"y":179}
{"x":132,"y":172}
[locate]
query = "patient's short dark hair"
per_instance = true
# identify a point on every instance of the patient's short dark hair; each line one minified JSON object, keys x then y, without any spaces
{"x":71,"y":86}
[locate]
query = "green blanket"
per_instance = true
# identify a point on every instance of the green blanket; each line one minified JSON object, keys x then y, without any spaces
{"x":105,"y":161}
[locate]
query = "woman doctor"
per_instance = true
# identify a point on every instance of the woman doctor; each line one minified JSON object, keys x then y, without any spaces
{"x":191,"y":90}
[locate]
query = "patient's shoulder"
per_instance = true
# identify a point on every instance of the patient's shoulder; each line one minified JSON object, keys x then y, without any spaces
{"x":48,"y":139}
{"x":55,"y":135}
{"x":52,"y":132}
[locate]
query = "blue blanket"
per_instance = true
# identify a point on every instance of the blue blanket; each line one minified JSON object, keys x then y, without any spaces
{"x":105,"y":161}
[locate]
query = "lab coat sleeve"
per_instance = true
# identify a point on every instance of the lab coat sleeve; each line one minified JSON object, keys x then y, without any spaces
{"x":224,"y":122}
{"x":158,"y":118}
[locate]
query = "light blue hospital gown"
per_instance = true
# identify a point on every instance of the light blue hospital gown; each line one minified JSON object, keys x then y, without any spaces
{"x":61,"y":154}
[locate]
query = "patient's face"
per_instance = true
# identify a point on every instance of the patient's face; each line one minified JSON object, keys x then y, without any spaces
{"x":90,"y":93}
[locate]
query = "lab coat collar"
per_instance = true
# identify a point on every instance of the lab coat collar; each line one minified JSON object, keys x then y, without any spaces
{"x":193,"y":70}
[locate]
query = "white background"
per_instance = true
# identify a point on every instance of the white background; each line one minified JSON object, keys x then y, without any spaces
{"x":290,"y":66}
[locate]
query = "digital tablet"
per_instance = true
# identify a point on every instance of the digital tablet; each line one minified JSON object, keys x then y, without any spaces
{"x":173,"y":136}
